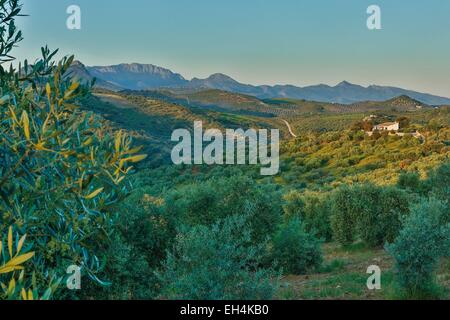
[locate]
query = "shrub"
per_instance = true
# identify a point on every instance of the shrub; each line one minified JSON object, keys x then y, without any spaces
{"x":381,"y":219}
{"x":439,"y":183}
{"x":419,"y":246}
{"x":143,"y":234}
{"x":294,"y":206}
{"x":217,"y":198}
{"x":372,"y":213}
{"x":216,"y":263}
{"x":294,"y":250}
{"x":314,"y":210}
{"x":343,"y":216}
{"x":409,"y":181}
{"x":393,"y":205}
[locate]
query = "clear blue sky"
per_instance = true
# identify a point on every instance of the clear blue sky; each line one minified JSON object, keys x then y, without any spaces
{"x":299,"y":42}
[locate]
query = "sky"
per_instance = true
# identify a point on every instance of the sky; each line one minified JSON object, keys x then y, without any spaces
{"x":299,"y":42}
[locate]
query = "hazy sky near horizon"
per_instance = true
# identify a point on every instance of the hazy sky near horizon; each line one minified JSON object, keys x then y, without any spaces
{"x":299,"y":42}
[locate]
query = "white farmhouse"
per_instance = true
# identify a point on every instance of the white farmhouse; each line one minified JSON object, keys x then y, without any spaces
{"x":387,"y":126}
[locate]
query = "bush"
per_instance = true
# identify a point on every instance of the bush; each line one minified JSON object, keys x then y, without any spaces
{"x":143,"y":234}
{"x":344,"y":215}
{"x":394,"y":206}
{"x":294,"y":206}
{"x":207,"y":202}
{"x":381,"y":219}
{"x":294,"y":250}
{"x":216,"y":263}
{"x":372,"y":213}
{"x":439,"y":183}
{"x":313,"y":210}
{"x":417,"y":250}
{"x":410,"y":181}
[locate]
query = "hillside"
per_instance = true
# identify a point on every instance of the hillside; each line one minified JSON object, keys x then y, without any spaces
{"x":218,"y":100}
{"x":152,"y":118}
{"x":225,"y":101}
{"x":400,"y":103}
{"x":153,"y":115}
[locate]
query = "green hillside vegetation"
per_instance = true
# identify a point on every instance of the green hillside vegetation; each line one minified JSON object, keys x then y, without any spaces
{"x":325,"y":160}
{"x":224,"y":100}
{"x":216,"y":100}
{"x":400,"y":104}
{"x":332,"y":157}
{"x":151,"y":121}
{"x":239,"y":103}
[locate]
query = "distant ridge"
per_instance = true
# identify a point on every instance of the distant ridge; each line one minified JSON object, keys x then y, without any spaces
{"x":135,"y":76}
{"x":79,"y":72}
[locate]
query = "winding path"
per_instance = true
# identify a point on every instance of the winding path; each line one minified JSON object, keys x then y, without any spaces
{"x":289,"y":128}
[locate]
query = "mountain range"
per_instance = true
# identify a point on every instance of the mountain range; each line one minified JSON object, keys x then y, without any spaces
{"x":137,"y":76}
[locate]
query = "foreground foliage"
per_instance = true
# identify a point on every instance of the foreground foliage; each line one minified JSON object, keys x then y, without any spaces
{"x":60,"y":170}
{"x":217,"y":262}
{"x":371,"y":213}
{"x":424,"y":240}
{"x":296,"y":251}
